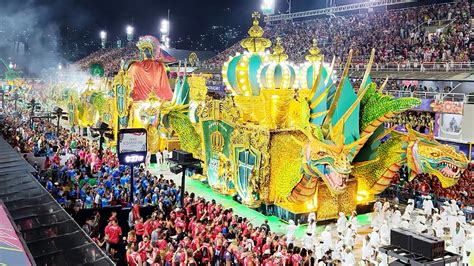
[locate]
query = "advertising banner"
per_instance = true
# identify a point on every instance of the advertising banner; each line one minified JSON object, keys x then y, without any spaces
{"x":448,"y":107}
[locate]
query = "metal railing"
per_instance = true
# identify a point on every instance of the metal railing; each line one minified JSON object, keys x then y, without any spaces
{"x":393,"y":67}
{"x":336,"y":9}
{"x":454,"y":97}
{"x":413,"y":66}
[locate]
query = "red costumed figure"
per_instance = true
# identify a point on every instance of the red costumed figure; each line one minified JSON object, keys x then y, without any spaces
{"x":149,"y":75}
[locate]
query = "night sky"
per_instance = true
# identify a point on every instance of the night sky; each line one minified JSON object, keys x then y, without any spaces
{"x":74,"y":25}
{"x":70,"y":28}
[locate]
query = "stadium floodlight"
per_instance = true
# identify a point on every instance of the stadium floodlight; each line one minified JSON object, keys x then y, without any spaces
{"x":165,"y":32}
{"x":268,"y":7}
{"x":60,"y":66}
{"x":129,"y":30}
{"x":103,"y":38}
{"x":165,"y":26}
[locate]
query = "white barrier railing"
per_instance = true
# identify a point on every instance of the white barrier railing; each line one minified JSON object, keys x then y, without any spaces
{"x":455,"y":97}
{"x":414,"y":66}
{"x":395,"y":67}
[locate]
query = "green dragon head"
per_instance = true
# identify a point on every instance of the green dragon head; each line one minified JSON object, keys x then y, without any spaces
{"x":328,"y":159}
{"x":426,"y":155}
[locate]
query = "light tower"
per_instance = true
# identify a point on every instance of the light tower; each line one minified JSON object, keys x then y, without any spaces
{"x":129,"y":30}
{"x":103,"y":39}
{"x":165,"y":32}
{"x":268,"y":7}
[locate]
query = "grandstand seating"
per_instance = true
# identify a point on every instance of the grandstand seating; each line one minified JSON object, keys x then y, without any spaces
{"x":433,"y":33}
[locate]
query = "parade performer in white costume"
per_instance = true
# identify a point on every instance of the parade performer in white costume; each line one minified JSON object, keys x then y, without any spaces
{"x":409,"y":209}
{"x":290,"y":231}
{"x":458,"y":237}
{"x":341,"y":223}
{"x":427,"y":205}
{"x":326,"y":238}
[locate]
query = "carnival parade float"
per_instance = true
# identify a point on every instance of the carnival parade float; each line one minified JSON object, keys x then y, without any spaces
{"x":288,"y":139}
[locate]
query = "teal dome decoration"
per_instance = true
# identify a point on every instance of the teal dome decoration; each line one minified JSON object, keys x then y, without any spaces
{"x":240,"y":73}
{"x":308,"y":74}
{"x":309,"y":71}
{"x":277,"y":76}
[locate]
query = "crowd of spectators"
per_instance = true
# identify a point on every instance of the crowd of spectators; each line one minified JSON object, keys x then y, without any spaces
{"x":418,"y":120}
{"x":424,"y":184}
{"x":111,"y":59}
{"x":201,"y":232}
{"x":409,"y":36}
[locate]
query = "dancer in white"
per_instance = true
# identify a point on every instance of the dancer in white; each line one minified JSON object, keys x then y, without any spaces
{"x":349,"y":237}
{"x":438,"y":226}
{"x":348,"y":258}
{"x":375,"y":238}
{"x":326,"y":238}
{"x":354,"y":222}
{"x":405,"y":224}
{"x":385,"y":233}
{"x":468,"y":249}
{"x":377,"y":215}
{"x":159,"y":159}
{"x":420,"y":224}
{"x":165,"y":157}
{"x":454,"y":206}
{"x":367,"y":250}
{"x":311,"y":229}
{"x":409,"y":209}
{"x":386,"y":212}
{"x":427,"y":205}
{"x":458,"y":237}
{"x":308,"y":242}
{"x":290,"y":231}
{"x":341,"y":223}
{"x":452,"y":219}
{"x":396,"y":219}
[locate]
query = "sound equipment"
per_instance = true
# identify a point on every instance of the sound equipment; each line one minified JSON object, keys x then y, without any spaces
{"x":427,"y":246}
{"x":181,"y":157}
{"x":153,"y":158}
{"x":176,"y":169}
{"x":420,"y":244}
{"x":102,"y":125}
{"x":57,"y":110}
{"x":401,"y":238}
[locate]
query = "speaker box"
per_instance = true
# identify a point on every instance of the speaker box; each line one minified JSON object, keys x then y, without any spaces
{"x":420,"y":244}
{"x":153,"y":158}
{"x":175,"y":169}
{"x":57,"y":110}
{"x":427,"y":246}
{"x":182,"y":156}
{"x":102,"y":125}
{"x":401,"y":238}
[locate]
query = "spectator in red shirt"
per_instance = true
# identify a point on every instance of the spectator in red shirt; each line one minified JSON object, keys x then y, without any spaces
{"x":112,"y":233}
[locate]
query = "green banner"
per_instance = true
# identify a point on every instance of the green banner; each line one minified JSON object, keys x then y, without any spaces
{"x":217,"y":148}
